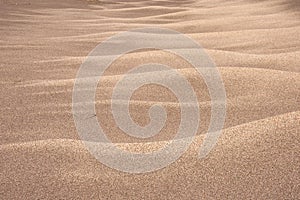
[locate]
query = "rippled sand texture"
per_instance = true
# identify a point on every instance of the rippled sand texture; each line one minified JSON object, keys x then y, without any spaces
{"x":255,"y":45}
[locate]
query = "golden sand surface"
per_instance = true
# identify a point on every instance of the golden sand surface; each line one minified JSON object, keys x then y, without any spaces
{"x":256,"y":47}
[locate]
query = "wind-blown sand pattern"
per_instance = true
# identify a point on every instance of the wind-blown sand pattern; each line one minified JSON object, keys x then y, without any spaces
{"x":255,"y":45}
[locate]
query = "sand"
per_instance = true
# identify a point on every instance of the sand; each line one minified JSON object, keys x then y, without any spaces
{"x":256,"y":47}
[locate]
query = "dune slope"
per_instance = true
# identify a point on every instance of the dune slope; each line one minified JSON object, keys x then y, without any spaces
{"x":255,"y":45}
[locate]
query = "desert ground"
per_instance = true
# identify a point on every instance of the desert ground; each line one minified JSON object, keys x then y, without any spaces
{"x":254,"y":44}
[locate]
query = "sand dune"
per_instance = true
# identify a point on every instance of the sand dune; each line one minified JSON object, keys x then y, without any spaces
{"x":256,"y":47}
